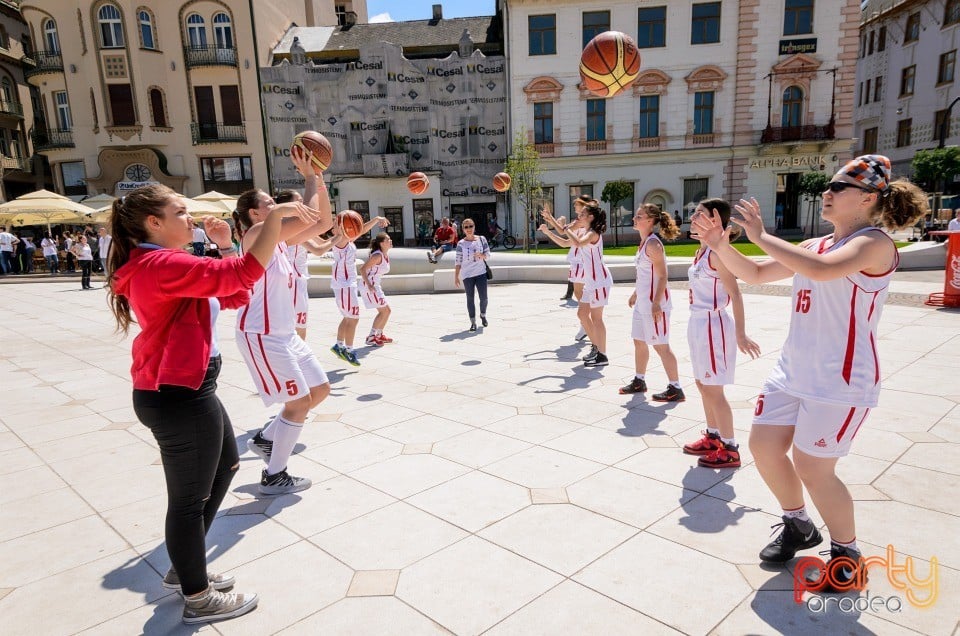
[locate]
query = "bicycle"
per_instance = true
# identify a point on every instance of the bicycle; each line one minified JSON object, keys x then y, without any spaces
{"x":504,"y":239}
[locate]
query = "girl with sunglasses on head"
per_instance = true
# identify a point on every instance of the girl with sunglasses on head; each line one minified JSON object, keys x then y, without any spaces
{"x":472,"y":254}
{"x":828,"y":376}
{"x":281,"y":365}
{"x":714,"y":337}
{"x":651,"y":299}
{"x":597,"y":278}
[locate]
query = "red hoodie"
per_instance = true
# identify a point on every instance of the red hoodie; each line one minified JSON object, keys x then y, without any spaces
{"x":168,"y":292}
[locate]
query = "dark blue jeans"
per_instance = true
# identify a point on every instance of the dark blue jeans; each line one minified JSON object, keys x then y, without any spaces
{"x":480,"y":284}
{"x":198,"y":452}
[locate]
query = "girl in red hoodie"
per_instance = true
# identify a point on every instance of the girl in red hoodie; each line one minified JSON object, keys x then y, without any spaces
{"x":176,"y":360}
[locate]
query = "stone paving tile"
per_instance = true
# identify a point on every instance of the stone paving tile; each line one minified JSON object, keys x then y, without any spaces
{"x":540,"y":500}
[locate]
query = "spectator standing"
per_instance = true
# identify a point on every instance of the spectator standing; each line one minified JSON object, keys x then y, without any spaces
{"x":85,"y":256}
{"x":7,"y":243}
{"x":68,"y":247}
{"x":103,"y":243}
{"x":954,"y":225}
{"x":199,"y":241}
{"x":49,"y":247}
{"x":29,"y":249}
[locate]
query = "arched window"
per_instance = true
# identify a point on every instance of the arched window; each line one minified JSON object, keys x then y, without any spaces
{"x":792,"y":107}
{"x":6,"y":90}
{"x":223,"y":31}
{"x":157,"y":109}
{"x":196,"y":31}
{"x":50,"y":36}
{"x":111,"y":27}
{"x":147,"y":39}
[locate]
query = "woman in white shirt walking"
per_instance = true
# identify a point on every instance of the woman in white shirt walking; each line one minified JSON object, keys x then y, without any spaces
{"x":472,"y":254}
{"x":85,"y":257}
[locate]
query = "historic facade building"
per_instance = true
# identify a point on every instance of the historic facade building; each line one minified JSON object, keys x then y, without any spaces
{"x":393,"y":98}
{"x":734,"y":99}
{"x":134,"y":92}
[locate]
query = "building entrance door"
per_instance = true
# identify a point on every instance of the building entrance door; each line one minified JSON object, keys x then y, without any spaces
{"x":787,"y":212}
{"x":395,"y":229}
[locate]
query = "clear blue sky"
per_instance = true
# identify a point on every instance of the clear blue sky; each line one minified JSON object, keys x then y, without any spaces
{"x":397,"y":10}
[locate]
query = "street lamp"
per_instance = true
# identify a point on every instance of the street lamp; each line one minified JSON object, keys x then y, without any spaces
{"x":943,"y":138}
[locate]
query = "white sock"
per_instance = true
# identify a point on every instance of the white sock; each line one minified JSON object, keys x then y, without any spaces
{"x":799,"y":513}
{"x":267,"y":431}
{"x":378,"y":332}
{"x":285,"y":436}
{"x":850,"y":546}
{"x":675,"y":384}
{"x":342,"y":343}
{"x":730,"y":441}
{"x":713,"y":431}
{"x":640,"y":376}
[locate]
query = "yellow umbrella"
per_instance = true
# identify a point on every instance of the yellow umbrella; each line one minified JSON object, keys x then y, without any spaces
{"x":206,"y":208}
{"x":102,"y":204}
{"x":226,"y":201}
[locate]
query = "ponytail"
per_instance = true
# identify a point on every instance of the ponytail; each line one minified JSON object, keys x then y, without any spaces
{"x":128,"y":228}
{"x":901,"y":205}
{"x":668,"y":227}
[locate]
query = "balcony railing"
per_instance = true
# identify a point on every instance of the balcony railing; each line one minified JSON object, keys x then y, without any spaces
{"x":42,"y":62}
{"x":15,"y":163}
{"x":52,"y":138}
{"x":648,"y":143}
{"x":779,"y":134}
{"x":598,"y":146}
{"x":11,"y":107}
{"x":217,"y":133}
{"x":546,"y":150}
{"x":209,"y":56}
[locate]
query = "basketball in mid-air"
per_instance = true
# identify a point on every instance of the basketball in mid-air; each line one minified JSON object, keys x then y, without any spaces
{"x":312,"y":141}
{"x":417,"y":183}
{"x":351,"y":222}
{"x":501,"y":182}
{"x":609,"y":63}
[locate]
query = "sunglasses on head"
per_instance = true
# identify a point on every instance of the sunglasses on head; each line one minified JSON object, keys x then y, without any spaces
{"x":840,"y":186}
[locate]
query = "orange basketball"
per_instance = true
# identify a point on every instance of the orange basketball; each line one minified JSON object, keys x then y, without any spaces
{"x":609,"y":63}
{"x":417,"y":183}
{"x":501,"y":182}
{"x":351,"y":222}
{"x":312,"y":141}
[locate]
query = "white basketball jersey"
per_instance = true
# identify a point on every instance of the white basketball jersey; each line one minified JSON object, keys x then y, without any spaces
{"x":344,"y":272}
{"x":270,"y":311}
{"x":575,"y":257}
{"x":831,"y":350}
{"x":707,"y":292}
{"x":647,"y":279}
{"x":376,"y":272}
{"x":597,"y":274}
{"x":298,"y":255}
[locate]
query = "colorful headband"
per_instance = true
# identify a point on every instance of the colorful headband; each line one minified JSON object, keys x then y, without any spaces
{"x":870,"y":170}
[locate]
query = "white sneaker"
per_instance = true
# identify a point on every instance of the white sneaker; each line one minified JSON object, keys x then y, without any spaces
{"x":217,"y":606}
{"x":581,"y":335}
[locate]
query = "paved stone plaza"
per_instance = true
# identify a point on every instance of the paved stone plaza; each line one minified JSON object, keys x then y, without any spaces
{"x":463,"y":483}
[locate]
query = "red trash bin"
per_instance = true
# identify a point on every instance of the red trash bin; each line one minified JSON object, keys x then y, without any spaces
{"x":951,"y":284}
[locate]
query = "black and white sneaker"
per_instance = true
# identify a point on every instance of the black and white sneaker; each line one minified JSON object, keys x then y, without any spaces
{"x":581,"y":335}
{"x":593,"y":353}
{"x":671,"y":394}
{"x":282,"y":483}
{"x":600,"y":360}
{"x":845,"y":568}
{"x":796,"y":535}
{"x":261,"y":446}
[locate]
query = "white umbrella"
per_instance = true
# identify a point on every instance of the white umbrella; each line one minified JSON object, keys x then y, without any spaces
{"x":225,"y":201}
{"x":43,"y":207}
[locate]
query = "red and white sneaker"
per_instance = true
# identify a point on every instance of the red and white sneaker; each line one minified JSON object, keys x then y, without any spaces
{"x":374,"y":341}
{"x":707,"y":444}
{"x":384,"y":338}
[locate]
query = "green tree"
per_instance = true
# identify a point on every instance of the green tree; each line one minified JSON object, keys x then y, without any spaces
{"x":613,"y":193}
{"x":932,"y":167}
{"x":812,"y":185}
{"x":523,"y":166}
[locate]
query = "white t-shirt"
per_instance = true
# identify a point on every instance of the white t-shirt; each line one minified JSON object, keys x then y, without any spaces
{"x":954,"y":225}
{"x":199,"y":236}
{"x":103,"y":244}
{"x":6,"y":242}
{"x":49,"y":247}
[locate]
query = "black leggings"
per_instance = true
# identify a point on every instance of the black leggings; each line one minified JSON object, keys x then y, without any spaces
{"x":199,"y":455}
{"x":480,"y":284}
{"x":85,"y":267}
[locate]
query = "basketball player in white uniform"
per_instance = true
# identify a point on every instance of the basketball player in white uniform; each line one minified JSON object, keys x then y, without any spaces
{"x":651,"y":298}
{"x":597,"y":282}
{"x":298,"y":255}
{"x":377,"y":265}
{"x":578,"y":272}
{"x":714,"y":337}
{"x":828,"y":376}
{"x":282,"y":366}
{"x":343,"y":282}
